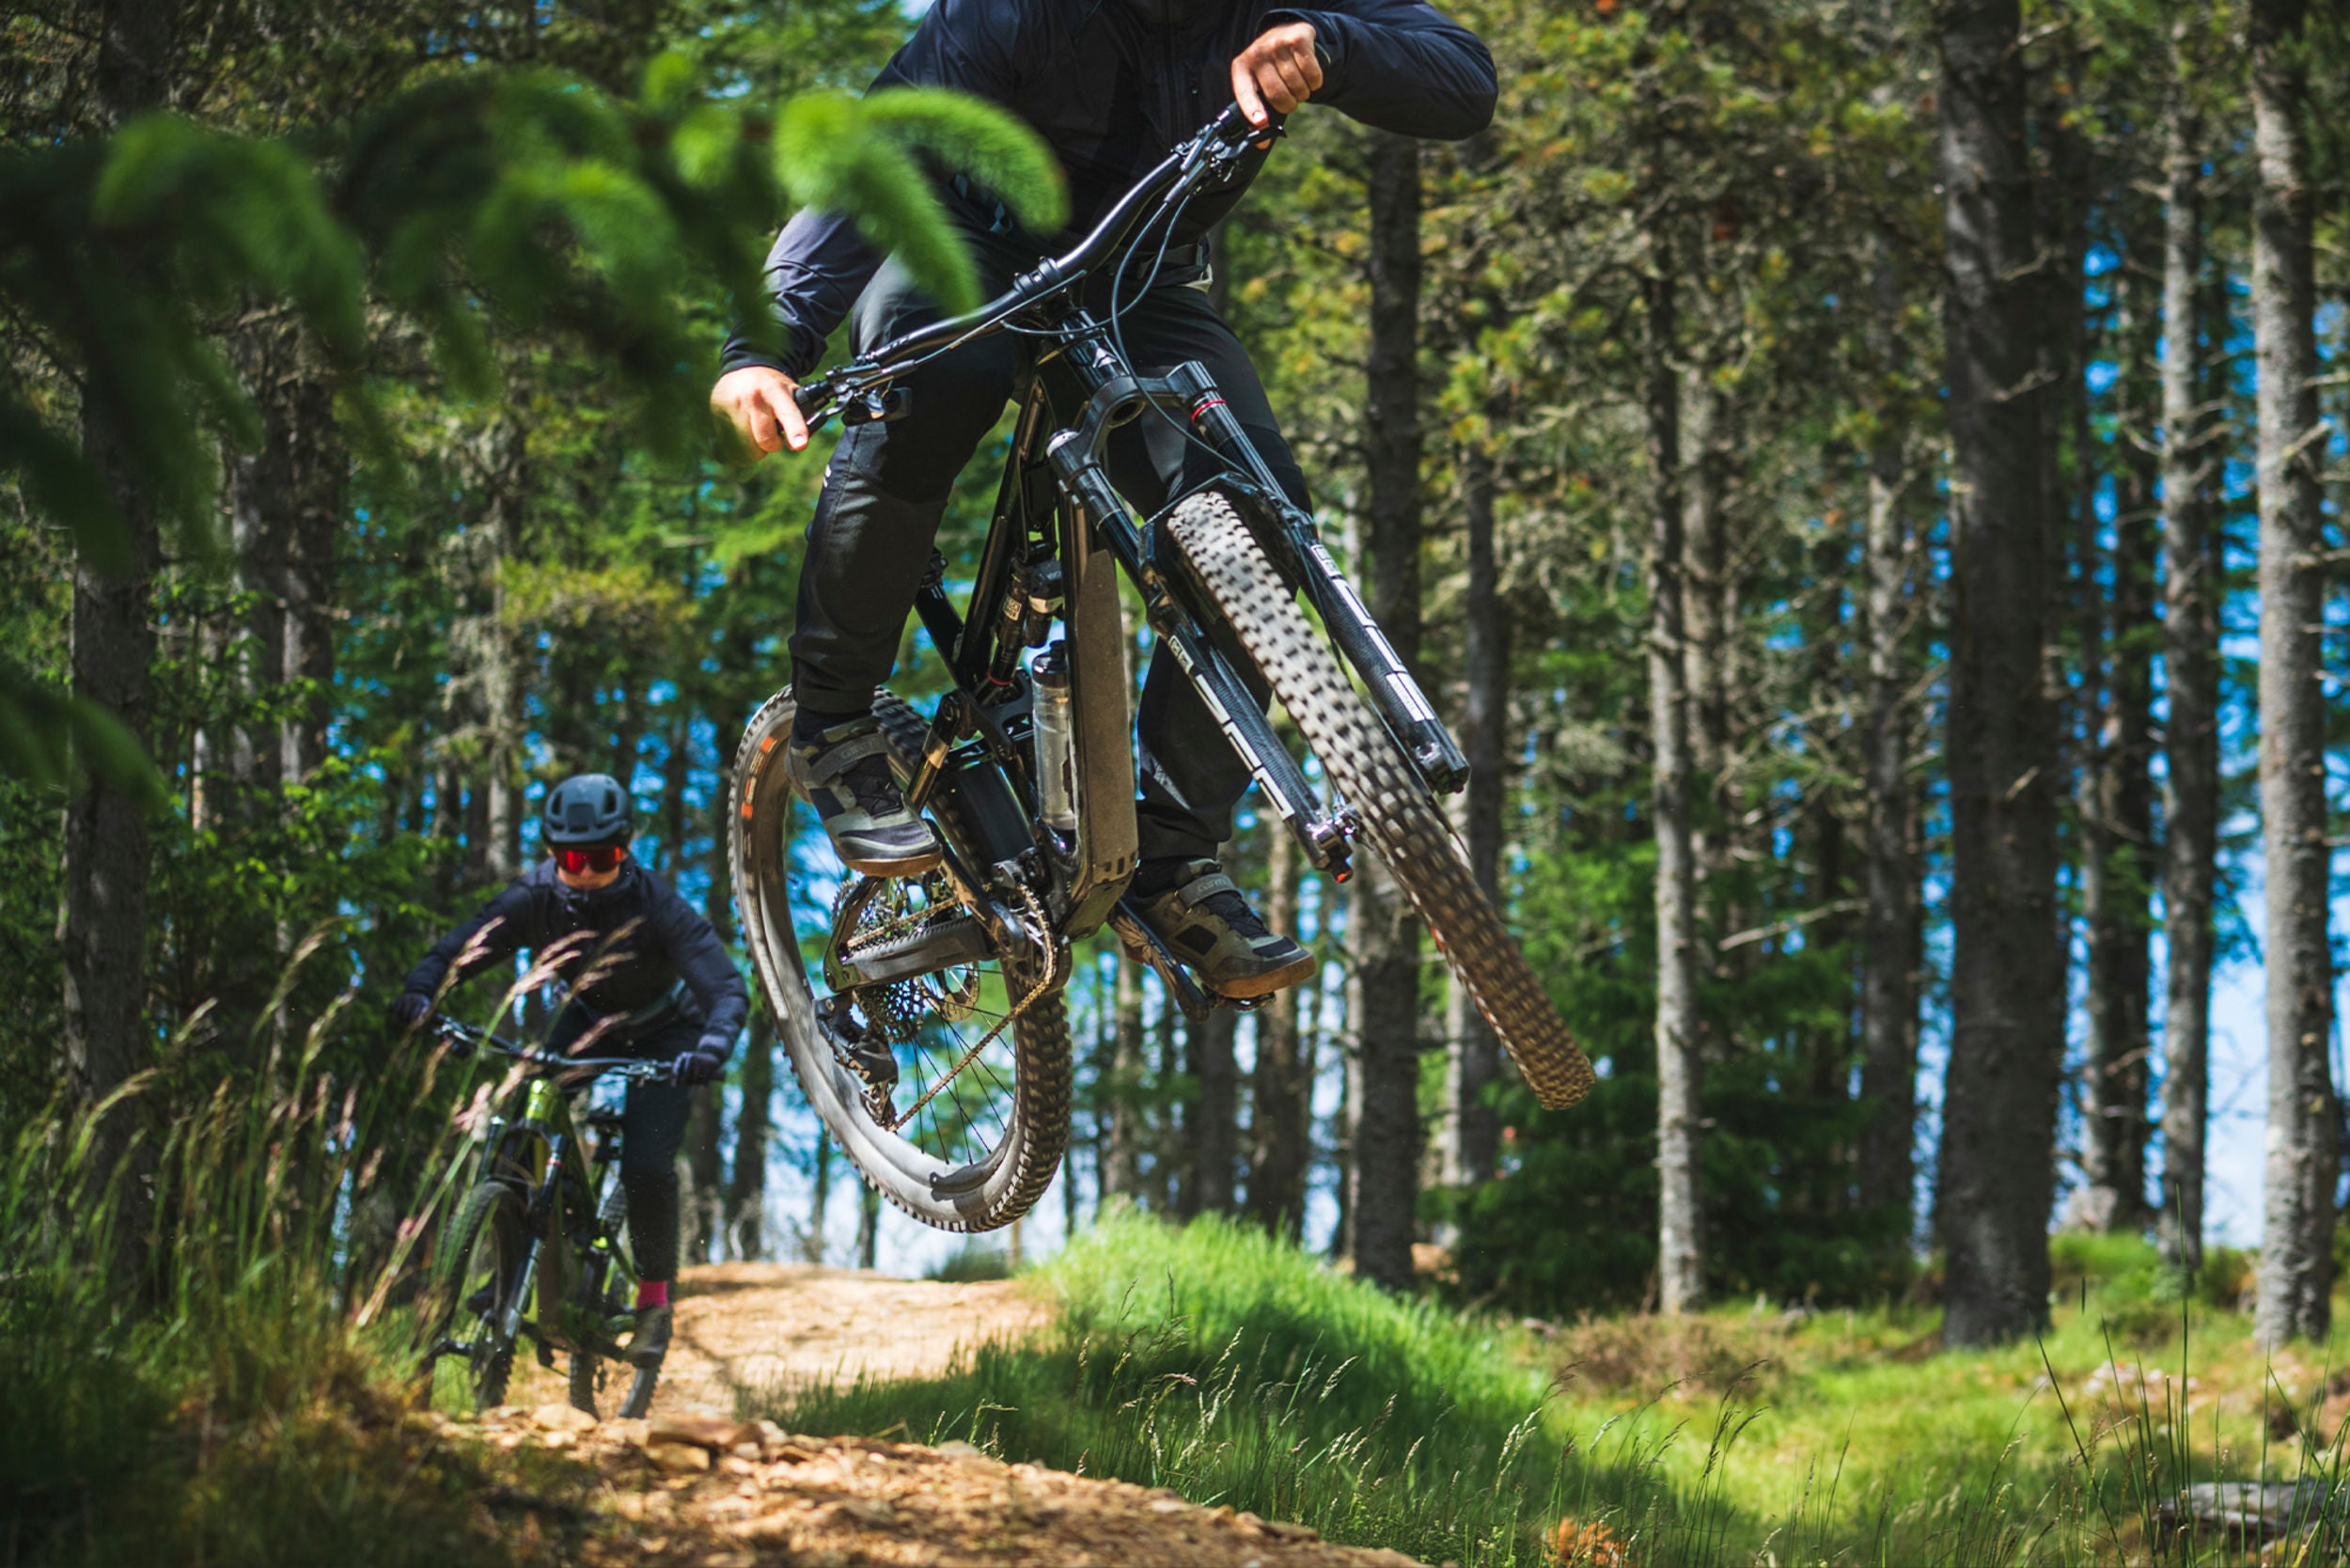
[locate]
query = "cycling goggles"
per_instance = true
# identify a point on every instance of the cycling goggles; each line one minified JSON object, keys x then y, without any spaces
{"x":577,"y":858}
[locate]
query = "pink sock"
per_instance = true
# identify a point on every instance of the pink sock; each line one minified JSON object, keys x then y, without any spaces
{"x":651,"y":1292}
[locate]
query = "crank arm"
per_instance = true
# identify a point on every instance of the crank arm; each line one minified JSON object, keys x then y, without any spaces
{"x":1139,"y":940}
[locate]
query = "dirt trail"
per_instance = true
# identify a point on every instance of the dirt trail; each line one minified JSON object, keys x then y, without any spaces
{"x":758,"y":1327}
{"x":694,"y":1485}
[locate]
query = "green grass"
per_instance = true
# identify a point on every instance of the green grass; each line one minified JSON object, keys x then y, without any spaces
{"x":1238,"y":1372}
{"x":233,"y":1392}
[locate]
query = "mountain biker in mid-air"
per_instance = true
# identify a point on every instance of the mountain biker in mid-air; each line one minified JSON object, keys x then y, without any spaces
{"x":647,"y":977}
{"x":1111,"y":85}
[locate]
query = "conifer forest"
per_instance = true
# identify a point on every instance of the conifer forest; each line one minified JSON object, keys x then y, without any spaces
{"x":1863,"y":481}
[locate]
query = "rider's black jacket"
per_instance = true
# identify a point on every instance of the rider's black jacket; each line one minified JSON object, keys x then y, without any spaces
{"x":1112,"y":86}
{"x":630,"y":942}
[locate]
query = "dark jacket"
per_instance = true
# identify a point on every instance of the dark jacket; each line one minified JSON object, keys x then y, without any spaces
{"x":660,"y":940}
{"x":1111,"y":85}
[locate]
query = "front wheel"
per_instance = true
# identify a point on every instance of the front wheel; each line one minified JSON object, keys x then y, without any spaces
{"x":1403,"y":824}
{"x":479,"y":1272}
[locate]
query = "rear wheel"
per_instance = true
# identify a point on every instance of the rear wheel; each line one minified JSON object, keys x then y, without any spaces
{"x":961,"y":1131}
{"x":1402,"y":823}
{"x":479,"y":1269}
{"x":587,"y":1369}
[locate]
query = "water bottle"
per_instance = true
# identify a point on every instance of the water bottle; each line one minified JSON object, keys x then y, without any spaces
{"x":1055,"y":747}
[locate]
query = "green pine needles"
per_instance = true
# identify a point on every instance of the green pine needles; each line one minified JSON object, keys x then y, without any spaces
{"x":478,"y":200}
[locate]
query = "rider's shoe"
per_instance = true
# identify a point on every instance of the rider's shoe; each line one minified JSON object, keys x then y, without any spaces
{"x":650,"y":1341}
{"x":1201,"y":916}
{"x":845,"y":773}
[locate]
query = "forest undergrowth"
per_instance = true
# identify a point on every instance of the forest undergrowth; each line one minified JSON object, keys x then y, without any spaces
{"x":1240,"y":1372}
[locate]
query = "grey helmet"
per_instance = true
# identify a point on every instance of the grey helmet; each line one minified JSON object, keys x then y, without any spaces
{"x":591,"y":809}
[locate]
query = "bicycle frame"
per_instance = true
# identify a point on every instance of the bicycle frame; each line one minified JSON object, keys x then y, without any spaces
{"x":539,"y":1150}
{"x":1059,"y":539}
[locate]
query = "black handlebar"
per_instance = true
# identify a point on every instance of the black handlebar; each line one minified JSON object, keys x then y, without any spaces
{"x":552,"y":1061}
{"x":1224,"y":141}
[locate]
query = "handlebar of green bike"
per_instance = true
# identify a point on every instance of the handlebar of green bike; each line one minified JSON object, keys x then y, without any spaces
{"x":634,"y":1067}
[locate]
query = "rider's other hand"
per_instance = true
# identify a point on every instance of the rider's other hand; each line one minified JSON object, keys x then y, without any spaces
{"x":692,"y":1068}
{"x":1280,"y":70}
{"x":757,"y":400}
{"x":410,"y":1008}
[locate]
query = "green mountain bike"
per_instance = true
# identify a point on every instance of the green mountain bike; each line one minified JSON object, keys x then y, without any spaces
{"x":538,"y":1251}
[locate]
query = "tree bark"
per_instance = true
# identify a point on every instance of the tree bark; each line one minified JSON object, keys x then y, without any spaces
{"x":2114,"y":1110}
{"x":504,"y":460}
{"x":1123,"y":1172}
{"x":103,"y":925}
{"x":1281,"y":1120}
{"x":1680,"y":1238}
{"x":747,"y":1182}
{"x":2296,"y":1262}
{"x":869,"y":1202}
{"x":2190,"y":682}
{"x":1474,"y":1052}
{"x":1889,"y":993}
{"x":2007,"y":973}
{"x":1215,"y":1142}
{"x":1385,"y":933}
{"x":820,"y":1203}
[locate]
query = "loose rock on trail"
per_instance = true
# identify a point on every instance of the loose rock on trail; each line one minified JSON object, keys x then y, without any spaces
{"x":696,"y":1486}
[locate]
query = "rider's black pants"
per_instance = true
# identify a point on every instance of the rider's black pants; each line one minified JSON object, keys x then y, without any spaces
{"x":887,"y":489}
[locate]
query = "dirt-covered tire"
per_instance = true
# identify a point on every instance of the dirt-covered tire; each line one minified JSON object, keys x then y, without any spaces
{"x":494,"y":1216}
{"x":583,"y":1390}
{"x":1404,"y":824}
{"x":981,"y":1195}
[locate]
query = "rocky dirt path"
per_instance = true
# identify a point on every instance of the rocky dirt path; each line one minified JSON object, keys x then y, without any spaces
{"x":694,"y":1485}
{"x":759,"y":1326}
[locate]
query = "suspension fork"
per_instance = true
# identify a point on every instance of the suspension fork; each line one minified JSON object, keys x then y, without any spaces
{"x":1297,"y":547}
{"x":1094,"y":502}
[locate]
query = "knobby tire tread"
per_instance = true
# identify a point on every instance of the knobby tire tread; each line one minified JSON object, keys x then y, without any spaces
{"x":1404,"y":825}
{"x":457,"y":1243}
{"x":1042,"y":1087}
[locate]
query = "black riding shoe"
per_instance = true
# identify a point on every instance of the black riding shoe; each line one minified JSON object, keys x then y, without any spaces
{"x":1205,"y":923}
{"x":651,"y":1342}
{"x":845,"y":775}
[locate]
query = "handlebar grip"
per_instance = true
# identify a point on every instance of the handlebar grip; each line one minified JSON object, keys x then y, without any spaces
{"x":814,"y":398}
{"x":1234,"y":128}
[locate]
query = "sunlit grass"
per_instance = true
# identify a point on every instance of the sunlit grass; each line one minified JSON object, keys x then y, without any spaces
{"x":1237,"y":1371}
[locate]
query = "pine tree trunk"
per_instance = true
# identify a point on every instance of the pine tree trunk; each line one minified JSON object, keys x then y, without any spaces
{"x":1385,"y":933}
{"x":103,"y":927}
{"x":1889,"y":994}
{"x":1475,"y":1053}
{"x":1281,"y":1120}
{"x":1214,"y":1141}
{"x":2190,"y":682}
{"x":868,"y":1202}
{"x":701,"y":1182}
{"x":820,"y":1204}
{"x":1680,"y":1240}
{"x":504,"y":461}
{"x":1123,"y":1173}
{"x":2296,"y":1262}
{"x":2114,"y":1107}
{"x":747,"y":1182}
{"x":2007,"y":975}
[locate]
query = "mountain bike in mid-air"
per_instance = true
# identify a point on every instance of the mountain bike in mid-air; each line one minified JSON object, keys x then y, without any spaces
{"x":538,"y":1251}
{"x":923,"y":1015}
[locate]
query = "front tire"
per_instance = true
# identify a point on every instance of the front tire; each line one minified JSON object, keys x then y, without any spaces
{"x":478,"y":1269}
{"x":1401,"y":822}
